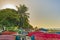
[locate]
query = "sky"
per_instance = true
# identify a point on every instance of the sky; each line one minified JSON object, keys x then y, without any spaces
{"x":43,"y":13}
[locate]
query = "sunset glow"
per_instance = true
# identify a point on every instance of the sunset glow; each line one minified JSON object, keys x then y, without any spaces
{"x":9,"y":6}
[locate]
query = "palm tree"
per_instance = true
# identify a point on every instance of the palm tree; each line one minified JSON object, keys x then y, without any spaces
{"x":22,"y":9}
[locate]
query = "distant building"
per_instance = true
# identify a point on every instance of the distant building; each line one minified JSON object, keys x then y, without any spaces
{"x":43,"y":29}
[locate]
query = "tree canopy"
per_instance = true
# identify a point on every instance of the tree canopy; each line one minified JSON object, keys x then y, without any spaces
{"x":8,"y":17}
